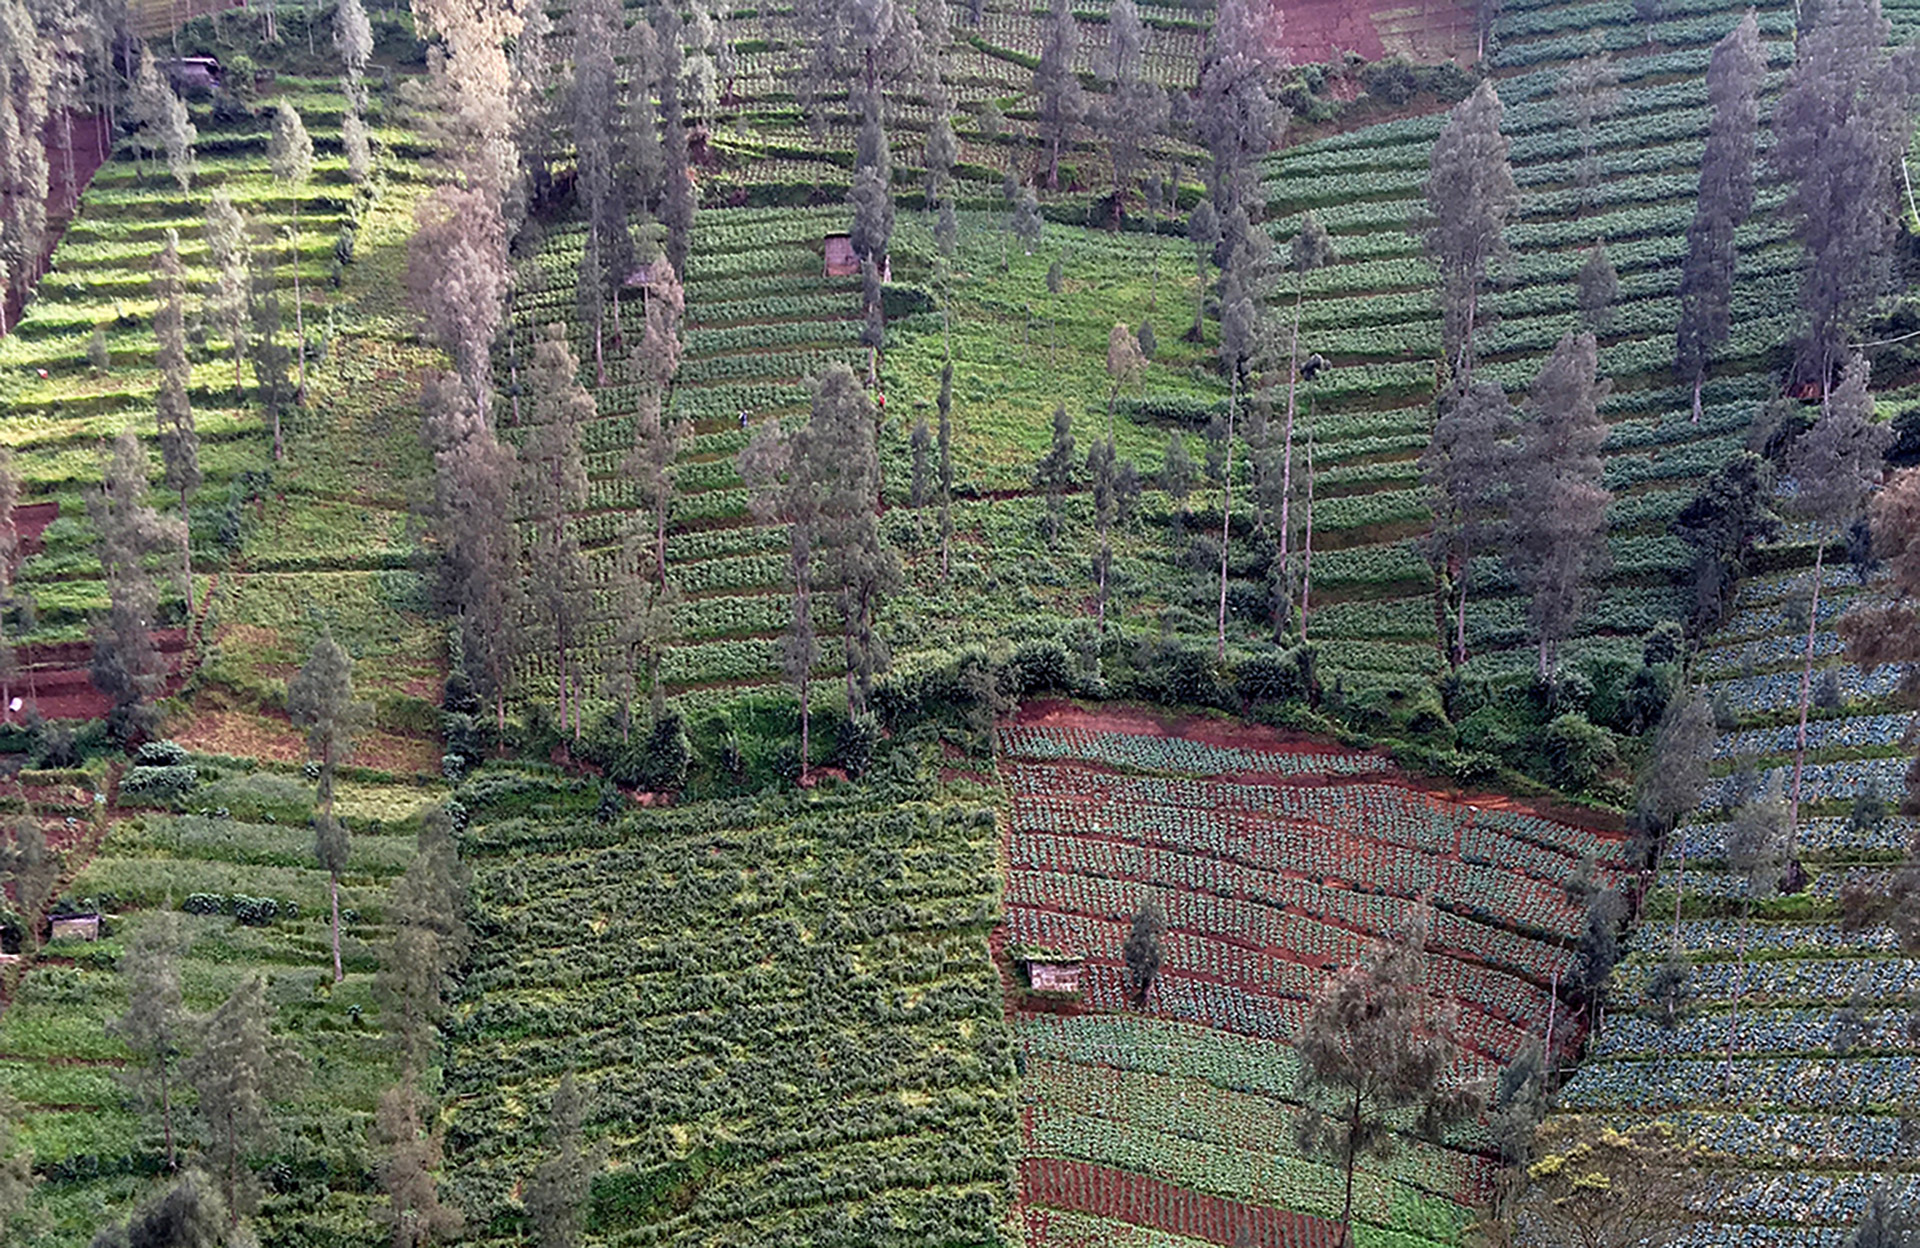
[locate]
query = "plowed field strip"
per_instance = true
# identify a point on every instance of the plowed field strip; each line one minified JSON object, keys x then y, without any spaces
{"x":1051,"y":1183}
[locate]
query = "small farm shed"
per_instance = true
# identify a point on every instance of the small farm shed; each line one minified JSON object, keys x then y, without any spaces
{"x":843,"y":262}
{"x":194,"y":73}
{"x":76,"y":927}
{"x":1053,"y":974}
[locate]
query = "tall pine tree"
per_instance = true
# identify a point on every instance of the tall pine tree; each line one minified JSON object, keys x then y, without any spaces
{"x":1470,"y":195}
{"x":1734,"y":76}
{"x":1559,"y":513}
{"x":179,"y":442}
{"x":1839,"y":131}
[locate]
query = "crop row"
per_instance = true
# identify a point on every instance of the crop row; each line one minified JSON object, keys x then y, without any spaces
{"x":1201,"y":1166}
{"x":1820,"y":782}
{"x":1664,"y":1084}
{"x":1140,"y":752}
{"x":1806,"y":1031}
{"x":1186,"y":1110}
{"x":1809,"y":978}
{"x":1851,"y":733}
{"x":1706,"y":842}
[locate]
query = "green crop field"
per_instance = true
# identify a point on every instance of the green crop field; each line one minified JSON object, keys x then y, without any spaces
{"x":1267,"y":874}
{"x":782,"y":1012}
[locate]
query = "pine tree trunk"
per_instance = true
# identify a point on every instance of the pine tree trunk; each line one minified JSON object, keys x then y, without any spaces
{"x":233,"y":1171}
{"x":1106,"y":557}
{"x":1806,"y":686}
{"x":73,"y":185}
{"x":1283,"y":608}
{"x":299,"y":310}
{"x":1306,"y":568}
{"x":186,"y":560}
{"x":849,"y":628}
{"x":333,"y":888}
{"x":1679,"y":889}
{"x":1226,"y":518}
{"x":560,"y":647}
{"x":166,"y":1110}
{"x":1460,"y":616}
{"x":1553,"y":1011}
{"x":1466,"y":343}
{"x":660,"y":501}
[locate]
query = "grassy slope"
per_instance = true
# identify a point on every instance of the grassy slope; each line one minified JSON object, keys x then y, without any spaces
{"x":325,"y":542}
{"x":323,"y":534}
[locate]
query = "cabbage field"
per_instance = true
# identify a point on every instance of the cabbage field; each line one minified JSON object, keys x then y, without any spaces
{"x":1270,"y":868}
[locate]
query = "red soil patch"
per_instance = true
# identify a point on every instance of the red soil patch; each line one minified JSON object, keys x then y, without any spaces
{"x":30,"y":521}
{"x":1048,"y":1183}
{"x":54,"y":681}
{"x":1317,"y":32}
{"x":1225,"y":733}
{"x":1140,"y":721}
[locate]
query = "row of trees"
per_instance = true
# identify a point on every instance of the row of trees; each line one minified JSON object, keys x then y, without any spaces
{"x":512,"y":571}
{"x":1531,"y":489}
{"x":823,"y":481}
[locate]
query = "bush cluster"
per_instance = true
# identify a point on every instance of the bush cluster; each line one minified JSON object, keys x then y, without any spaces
{"x":250,"y":911}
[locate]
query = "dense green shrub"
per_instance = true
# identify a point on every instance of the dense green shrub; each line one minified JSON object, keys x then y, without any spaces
{"x":160,"y":754}
{"x":1578,"y":751}
{"x":1042,"y":666}
{"x":159,"y":784}
{"x":1275,"y":675}
{"x":665,"y":755}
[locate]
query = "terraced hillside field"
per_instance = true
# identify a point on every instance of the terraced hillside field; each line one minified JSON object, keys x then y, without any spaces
{"x":781,"y":1012}
{"x":766,"y":146}
{"x":1274,"y":862}
{"x":1373,"y":316}
{"x":321,"y":535}
{"x":761,"y":320}
{"x":237,"y":867}
{"x":1794,"y":1058}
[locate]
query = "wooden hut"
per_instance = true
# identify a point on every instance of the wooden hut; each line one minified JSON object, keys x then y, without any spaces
{"x":76,"y":927}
